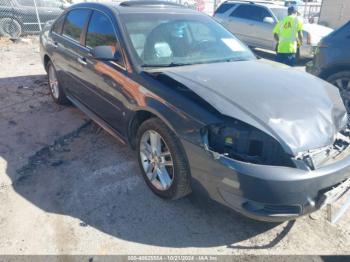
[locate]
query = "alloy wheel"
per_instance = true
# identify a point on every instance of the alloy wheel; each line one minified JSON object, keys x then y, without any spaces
{"x":53,"y":82}
{"x":157,"y":161}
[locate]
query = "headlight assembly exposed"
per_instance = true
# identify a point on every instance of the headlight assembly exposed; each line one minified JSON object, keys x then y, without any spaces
{"x":240,"y":141}
{"x":314,"y":159}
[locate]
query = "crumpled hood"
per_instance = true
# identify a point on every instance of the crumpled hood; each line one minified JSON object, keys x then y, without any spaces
{"x":299,"y":110}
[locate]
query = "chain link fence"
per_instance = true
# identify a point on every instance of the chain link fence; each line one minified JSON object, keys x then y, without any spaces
{"x":24,"y":17}
{"x":311,"y":11}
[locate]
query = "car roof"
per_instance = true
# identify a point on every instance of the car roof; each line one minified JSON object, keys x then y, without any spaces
{"x":266,"y":3}
{"x":141,"y":7}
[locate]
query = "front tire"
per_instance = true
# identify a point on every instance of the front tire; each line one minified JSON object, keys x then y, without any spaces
{"x":10,"y":27}
{"x":342,"y":81}
{"x":56,"y":90}
{"x":162,"y":160}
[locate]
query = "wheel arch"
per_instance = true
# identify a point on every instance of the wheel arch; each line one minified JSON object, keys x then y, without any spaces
{"x":16,"y":18}
{"x":46,"y":60}
{"x":140,"y":116}
{"x":334,"y":69}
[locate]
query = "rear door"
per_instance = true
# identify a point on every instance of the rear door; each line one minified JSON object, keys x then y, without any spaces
{"x":69,"y":56}
{"x":57,"y":48}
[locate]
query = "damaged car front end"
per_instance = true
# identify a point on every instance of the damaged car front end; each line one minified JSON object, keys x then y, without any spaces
{"x":270,"y":156}
{"x":262,"y":138}
{"x":258,"y":179}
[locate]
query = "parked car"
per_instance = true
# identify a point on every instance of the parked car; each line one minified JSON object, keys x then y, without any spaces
{"x":200,"y":109}
{"x":288,"y":3}
{"x":19,"y":17}
{"x":332,"y":61}
{"x":253,"y":23}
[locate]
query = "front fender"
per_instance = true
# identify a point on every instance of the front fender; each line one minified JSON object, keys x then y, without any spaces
{"x":183,"y":125}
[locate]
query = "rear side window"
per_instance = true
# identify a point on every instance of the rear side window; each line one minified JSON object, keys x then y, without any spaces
{"x":223,"y":8}
{"x":100,"y":31}
{"x":74,"y":23}
{"x":57,"y":27}
{"x":251,"y":12}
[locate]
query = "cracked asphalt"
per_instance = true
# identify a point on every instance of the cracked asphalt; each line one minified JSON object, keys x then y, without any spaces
{"x":67,"y":187}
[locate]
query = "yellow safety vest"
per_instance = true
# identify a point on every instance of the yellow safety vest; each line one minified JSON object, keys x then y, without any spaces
{"x":287,"y":31}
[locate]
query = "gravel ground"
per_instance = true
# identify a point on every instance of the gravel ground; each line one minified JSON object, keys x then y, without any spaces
{"x":67,"y":187}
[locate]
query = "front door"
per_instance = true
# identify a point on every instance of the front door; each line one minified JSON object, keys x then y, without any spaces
{"x":254,"y":25}
{"x":104,"y":80}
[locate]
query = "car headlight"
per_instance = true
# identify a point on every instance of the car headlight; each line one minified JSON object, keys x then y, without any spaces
{"x":240,"y":141}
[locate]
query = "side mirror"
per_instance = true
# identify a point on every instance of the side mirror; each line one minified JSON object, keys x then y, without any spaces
{"x":269,"y":20}
{"x":105,"y":52}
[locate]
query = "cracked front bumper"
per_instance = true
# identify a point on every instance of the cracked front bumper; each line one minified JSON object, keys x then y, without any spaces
{"x":269,"y":193}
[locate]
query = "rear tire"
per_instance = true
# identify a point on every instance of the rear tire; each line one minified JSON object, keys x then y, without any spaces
{"x":56,"y":90}
{"x":170,"y":153}
{"x":10,"y":27}
{"x":342,"y":81}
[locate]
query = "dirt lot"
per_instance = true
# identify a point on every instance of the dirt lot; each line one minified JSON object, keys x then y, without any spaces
{"x":68,"y":187}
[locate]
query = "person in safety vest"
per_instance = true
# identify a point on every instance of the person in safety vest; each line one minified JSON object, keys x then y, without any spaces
{"x":289,"y":36}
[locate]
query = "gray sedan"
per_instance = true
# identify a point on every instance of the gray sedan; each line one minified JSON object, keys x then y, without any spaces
{"x":201,"y":111}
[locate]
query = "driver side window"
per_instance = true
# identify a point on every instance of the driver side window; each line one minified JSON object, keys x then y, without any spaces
{"x":100,"y":32}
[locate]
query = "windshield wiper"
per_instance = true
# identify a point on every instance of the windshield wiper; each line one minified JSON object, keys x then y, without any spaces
{"x":204,"y":62}
{"x":164,"y":65}
{"x":233,"y":60}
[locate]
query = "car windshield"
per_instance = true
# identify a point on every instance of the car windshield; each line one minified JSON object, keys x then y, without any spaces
{"x":161,"y":40}
{"x":280,"y":13}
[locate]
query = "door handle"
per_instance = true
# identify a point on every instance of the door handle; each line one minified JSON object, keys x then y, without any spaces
{"x":49,"y":11}
{"x":55,"y":44}
{"x":82,"y":60}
